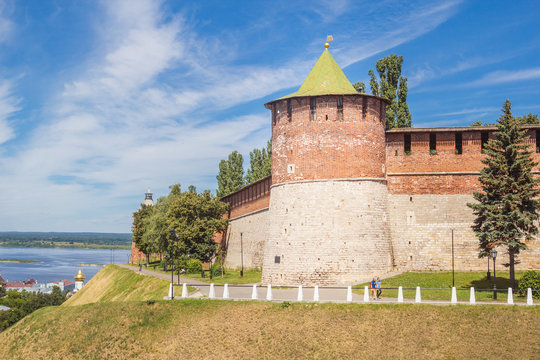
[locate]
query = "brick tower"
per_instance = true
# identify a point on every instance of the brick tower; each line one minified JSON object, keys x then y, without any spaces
{"x":328,"y":203}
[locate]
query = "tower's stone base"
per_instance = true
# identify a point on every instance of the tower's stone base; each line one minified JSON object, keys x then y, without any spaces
{"x":329,"y":232}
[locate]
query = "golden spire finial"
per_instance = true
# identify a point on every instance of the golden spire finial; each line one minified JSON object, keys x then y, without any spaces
{"x":328,"y":39}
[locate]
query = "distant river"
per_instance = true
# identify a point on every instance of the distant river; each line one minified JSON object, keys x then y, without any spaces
{"x":56,"y":264}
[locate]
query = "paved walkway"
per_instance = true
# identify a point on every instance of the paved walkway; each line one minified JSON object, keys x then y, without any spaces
{"x":279,"y":294}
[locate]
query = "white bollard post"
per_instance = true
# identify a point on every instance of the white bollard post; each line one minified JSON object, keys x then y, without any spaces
{"x":254,"y":293}
{"x":472,"y":299}
{"x":418,"y":298}
{"x":453,"y":301}
{"x":184,"y":291}
{"x":366,"y":294}
{"x":316,"y":293}
{"x":212,"y":292}
{"x":269,"y":292}
{"x":226,"y":291}
{"x":300,"y":294}
{"x":171,"y":291}
{"x":510,"y":297}
{"x":349,"y":293}
{"x":529,"y":296}
{"x":400,"y":295}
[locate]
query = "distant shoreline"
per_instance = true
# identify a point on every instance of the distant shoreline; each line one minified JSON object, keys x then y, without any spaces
{"x":19,"y":261}
{"x":67,"y":246}
{"x":42,"y":240}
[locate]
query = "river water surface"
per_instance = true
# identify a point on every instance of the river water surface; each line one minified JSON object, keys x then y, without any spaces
{"x":56,"y":263}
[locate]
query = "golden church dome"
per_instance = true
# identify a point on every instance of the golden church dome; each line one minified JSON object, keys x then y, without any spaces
{"x":80,"y":276}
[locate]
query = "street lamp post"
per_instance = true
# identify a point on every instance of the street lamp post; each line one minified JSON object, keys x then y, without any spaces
{"x":242,"y":254}
{"x":453,"y":279}
{"x":173,"y":236}
{"x":494,"y":256}
{"x":488,"y":273}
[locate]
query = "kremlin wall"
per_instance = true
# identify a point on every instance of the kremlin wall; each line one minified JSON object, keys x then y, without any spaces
{"x":349,"y":200}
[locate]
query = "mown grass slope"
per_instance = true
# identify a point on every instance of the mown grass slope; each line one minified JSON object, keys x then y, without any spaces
{"x":114,"y":283}
{"x":213,"y":329}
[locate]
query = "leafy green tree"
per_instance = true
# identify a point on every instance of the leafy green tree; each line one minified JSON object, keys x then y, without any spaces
{"x":360,"y":87}
{"x":196,"y":218}
{"x":140,"y":226}
{"x":392,"y":86}
{"x":506,"y":208}
{"x":231,"y":174}
{"x":260,"y":161}
{"x":157,"y":235}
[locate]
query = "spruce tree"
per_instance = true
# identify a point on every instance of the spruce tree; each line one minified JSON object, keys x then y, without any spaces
{"x":506,"y":208}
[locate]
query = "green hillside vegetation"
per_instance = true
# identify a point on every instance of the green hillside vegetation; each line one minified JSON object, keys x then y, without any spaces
{"x":65,"y":240}
{"x":210,"y":329}
{"x":113,"y":283}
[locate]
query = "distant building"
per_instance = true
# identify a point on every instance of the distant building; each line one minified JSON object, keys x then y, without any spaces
{"x":79,"y":281}
{"x":148,"y":201}
{"x":135,"y":253}
{"x":20,"y":285}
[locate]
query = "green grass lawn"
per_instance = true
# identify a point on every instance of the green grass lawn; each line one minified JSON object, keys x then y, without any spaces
{"x":443,"y":280}
{"x":231,"y":277}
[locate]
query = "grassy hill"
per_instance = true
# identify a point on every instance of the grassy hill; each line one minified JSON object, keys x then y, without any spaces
{"x":114,"y":283}
{"x":225,"y":329}
{"x":109,"y":320}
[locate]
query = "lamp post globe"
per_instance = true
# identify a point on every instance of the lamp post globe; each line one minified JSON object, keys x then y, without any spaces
{"x":494,"y":256}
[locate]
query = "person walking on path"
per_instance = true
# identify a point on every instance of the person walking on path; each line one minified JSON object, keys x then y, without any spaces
{"x":379,"y":289}
{"x":373,"y":286}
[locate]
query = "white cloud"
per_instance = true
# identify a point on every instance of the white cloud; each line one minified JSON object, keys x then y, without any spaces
{"x":6,"y":25}
{"x":501,"y":77}
{"x":142,"y":112}
{"x":8,"y":106}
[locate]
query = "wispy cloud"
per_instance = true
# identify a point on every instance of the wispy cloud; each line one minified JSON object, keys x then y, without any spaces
{"x":469,"y":111}
{"x":6,"y":25}
{"x":9,"y":104}
{"x":144,"y":110}
{"x":501,"y":77}
{"x":403,"y":26}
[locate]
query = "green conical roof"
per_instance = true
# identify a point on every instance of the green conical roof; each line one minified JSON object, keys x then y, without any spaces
{"x":326,"y":78}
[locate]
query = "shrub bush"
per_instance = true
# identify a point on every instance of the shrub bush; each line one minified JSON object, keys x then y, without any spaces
{"x":193,"y":266}
{"x":531,"y":279}
{"x":163,"y":264}
{"x":216,"y":270}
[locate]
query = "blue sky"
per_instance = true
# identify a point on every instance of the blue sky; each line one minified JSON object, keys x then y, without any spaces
{"x":100,"y":99}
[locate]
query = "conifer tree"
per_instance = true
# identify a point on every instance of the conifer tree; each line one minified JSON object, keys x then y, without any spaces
{"x":231,"y":174}
{"x":506,"y":208}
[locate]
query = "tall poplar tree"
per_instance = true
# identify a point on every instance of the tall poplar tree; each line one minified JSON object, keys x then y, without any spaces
{"x":392,"y":86}
{"x":260,"y":161}
{"x":231,"y":174}
{"x":506,"y":208}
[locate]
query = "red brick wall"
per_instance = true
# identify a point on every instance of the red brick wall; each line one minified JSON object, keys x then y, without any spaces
{"x":250,"y":198}
{"x":443,"y":173}
{"x":328,"y":147}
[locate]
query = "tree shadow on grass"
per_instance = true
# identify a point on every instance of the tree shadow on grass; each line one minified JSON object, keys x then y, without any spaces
{"x":502,"y":283}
